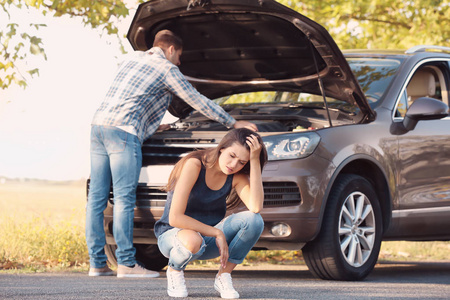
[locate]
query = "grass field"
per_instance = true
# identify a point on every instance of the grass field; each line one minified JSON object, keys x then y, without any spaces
{"x":42,"y":229}
{"x":42,"y":225}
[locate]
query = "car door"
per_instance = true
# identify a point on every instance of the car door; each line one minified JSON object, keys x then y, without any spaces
{"x":424,"y":161}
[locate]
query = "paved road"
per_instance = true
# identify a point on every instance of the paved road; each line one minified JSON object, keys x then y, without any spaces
{"x":387,"y":281}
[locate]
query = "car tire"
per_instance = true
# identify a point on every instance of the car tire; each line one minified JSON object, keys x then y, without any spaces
{"x":349,"y":241}
{"x":148,"y":255}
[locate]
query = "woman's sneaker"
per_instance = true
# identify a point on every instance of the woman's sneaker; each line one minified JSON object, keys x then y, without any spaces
{"x":224,"y":285}
{"x":176,"y":286}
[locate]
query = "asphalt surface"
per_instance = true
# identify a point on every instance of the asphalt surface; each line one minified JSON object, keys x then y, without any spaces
{"x":387,"y":281}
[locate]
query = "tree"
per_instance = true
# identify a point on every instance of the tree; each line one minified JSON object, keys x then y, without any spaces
{"x":380,"y":24}
{"x":366,"y":24}
{"x":16,"y":45}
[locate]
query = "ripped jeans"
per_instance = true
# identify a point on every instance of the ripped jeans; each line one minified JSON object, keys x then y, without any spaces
{"x":242,"y":230}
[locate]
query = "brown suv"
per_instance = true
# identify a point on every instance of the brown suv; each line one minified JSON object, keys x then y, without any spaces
{"x":359,"y":143}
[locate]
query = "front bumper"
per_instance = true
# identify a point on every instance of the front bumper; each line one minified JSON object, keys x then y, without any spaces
{"x":294,"y":193}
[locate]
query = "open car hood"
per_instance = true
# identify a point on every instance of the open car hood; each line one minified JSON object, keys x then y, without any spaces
{"x":233,"y":46}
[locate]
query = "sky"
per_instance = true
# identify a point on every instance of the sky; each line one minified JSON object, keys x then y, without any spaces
{"x":45,"y":129}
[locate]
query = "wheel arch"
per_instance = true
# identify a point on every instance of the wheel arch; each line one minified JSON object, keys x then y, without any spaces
{"x":370,"y":169}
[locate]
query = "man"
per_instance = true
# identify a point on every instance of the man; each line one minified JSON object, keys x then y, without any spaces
{"x":130,"y":113}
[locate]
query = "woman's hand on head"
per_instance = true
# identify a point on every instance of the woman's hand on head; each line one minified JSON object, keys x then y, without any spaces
{"x":255,"y":147}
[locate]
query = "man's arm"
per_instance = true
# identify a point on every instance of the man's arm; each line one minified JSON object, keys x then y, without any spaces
{"x":178,"y":84}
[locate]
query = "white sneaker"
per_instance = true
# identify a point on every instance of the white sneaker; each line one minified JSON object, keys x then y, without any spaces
{"x":176,"y":286}
{"x":135,"y":272}
{"x":224,"y":285}
{"x":105,"y":271}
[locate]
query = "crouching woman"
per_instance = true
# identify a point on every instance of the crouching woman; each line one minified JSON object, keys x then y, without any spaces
{"x":193,"y":225}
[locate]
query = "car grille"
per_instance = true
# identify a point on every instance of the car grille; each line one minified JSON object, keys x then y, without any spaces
{"x":281,"y":194}
{"x":275,"y":194}
{"x":168,"y":151}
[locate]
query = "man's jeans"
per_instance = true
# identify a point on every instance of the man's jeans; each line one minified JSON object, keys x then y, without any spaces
{"x":242,"y":230}
{"x":115,"y":157}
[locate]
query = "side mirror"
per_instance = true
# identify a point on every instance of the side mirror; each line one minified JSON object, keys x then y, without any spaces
{"x":424,"y":109}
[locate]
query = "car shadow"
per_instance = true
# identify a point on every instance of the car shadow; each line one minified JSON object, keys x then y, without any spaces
{"x":404,"y":272}
{"x":412,"y":272}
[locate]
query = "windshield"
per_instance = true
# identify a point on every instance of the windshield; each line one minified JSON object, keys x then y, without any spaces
{"x":291,"y":99}
{"x":374,"y":75}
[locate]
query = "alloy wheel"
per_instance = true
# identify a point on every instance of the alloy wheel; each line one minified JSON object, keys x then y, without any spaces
{"x":356,"y":229}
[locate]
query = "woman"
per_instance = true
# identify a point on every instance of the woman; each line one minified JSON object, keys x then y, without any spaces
{"x":193,"y":225}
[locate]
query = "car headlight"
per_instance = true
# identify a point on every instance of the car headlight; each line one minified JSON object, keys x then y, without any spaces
{"x":291,"y":146}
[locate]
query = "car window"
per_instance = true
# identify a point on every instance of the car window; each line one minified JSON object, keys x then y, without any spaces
{"x":427,"y":81}
{"x":423,"y":84}
{"x":402,"y":106}
{"x":374,"y":75}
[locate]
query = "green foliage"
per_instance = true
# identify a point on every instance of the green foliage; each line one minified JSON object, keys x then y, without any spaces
{"x":17,"y":45}
{"x":380,"y":24}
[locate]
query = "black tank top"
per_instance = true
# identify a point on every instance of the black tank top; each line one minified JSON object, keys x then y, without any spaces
{"x":204,"y":204}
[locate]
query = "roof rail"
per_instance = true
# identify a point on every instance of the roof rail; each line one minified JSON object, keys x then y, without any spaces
{"x":424,"y":48}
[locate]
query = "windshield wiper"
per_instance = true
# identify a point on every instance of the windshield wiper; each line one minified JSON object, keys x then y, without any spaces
{"x":299,"y":105}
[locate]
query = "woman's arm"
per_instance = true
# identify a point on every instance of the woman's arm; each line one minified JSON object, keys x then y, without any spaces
{"x":250,"y":190}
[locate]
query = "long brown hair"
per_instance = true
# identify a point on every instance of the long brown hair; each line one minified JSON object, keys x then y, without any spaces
{"x":209,"y":157}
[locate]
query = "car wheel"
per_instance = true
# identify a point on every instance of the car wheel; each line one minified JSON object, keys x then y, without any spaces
{"x":148,"y":255}
{"x":348,"y":244}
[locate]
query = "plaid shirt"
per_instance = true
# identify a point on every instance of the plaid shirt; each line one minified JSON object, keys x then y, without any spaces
{"x":142,"y":91}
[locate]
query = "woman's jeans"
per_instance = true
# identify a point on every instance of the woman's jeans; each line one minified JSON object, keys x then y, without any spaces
{"x":242,"y":230}
{"x":115,"y":157}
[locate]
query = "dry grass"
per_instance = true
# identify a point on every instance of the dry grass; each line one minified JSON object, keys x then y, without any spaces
{"x":42,"y":226}
{"x":414,"y":251}
{"x":42,"y":229}
{"x":54,"y":200}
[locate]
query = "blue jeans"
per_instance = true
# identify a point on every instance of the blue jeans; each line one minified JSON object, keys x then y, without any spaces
{"x":242,"y":230}
{"x":116,"y":157}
